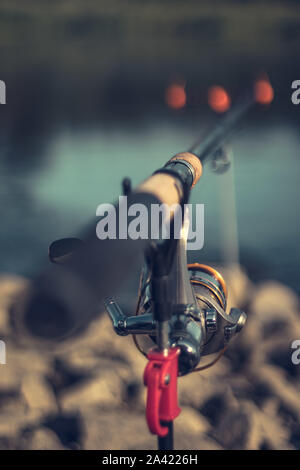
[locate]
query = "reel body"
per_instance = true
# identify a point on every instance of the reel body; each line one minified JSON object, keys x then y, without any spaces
{"x":198,"y":327}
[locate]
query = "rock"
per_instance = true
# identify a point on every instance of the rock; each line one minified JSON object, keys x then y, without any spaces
{"x":68,"y":427}
{"x":105,"y":390}
{"x":273,"y":300}
{"x":40,"y":439}
{"x":233,"y":430}
{"x":196,"y":390}
{"x":194,"y":442}
{"x":281,"y":388}
{"x":10,"y":380}
{"x":12,"y":421}
{"x":37,"y":394}
{"x":21,"y":360}
{"x":272,"y":326}
{"x":192,"y":422}
{"x":250,"y":428}
{"x":16,"y":418}
{"x":10,"y":288}
{"x":100,"y":342}
{"x":116,"y":429}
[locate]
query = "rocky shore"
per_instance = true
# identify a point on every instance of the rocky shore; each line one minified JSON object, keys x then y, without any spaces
{"x":88,"y":394}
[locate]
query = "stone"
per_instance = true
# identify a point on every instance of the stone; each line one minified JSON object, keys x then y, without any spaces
{"x":105,"y":390}
{"x":40,"y":439}
{"x":38,"y":395}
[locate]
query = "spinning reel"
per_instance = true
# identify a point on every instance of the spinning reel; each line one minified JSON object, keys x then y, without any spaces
{"x":198,"y":324}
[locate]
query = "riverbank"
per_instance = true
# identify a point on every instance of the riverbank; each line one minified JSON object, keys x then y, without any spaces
{"x":89,"y":394}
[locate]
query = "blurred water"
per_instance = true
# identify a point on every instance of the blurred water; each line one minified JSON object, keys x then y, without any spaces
{"x":85,"y":169}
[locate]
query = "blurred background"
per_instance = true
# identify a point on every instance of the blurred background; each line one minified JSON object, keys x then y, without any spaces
{"x":97,"y":91}
{"x":88,"y":103}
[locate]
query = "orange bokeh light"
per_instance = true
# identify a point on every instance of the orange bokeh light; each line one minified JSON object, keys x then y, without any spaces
{"x":175,"y":96}
{"x":263,"y":91}
{"x":218,"y":99}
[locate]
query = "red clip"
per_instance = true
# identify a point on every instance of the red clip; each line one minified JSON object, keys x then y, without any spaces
{"x":160,"y":377}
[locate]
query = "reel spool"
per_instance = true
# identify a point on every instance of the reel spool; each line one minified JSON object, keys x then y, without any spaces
{"x":203,"y":276}
{"x":211,"y":293}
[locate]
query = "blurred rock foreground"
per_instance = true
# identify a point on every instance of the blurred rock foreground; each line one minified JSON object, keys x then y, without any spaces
{"x":89,"y":394}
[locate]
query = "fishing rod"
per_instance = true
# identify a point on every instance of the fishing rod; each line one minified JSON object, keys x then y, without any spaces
{"x":181,"y":307}
{"x":184,"y":310}
{"x":86,"y":270}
